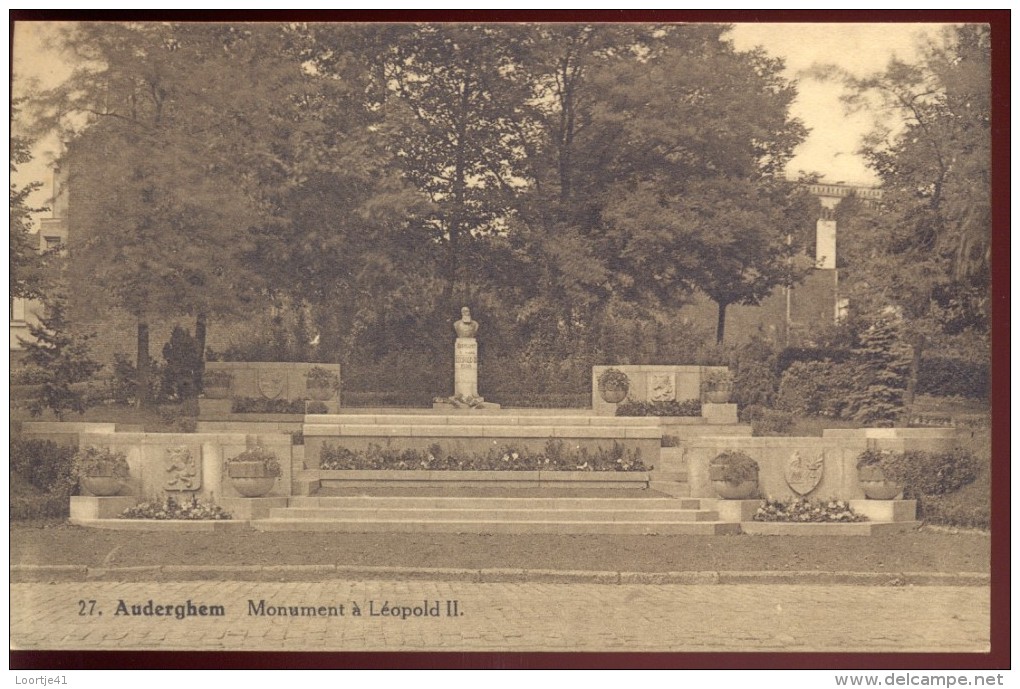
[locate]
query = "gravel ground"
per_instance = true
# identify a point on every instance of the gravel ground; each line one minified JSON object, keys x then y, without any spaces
{"x":921,"y":551}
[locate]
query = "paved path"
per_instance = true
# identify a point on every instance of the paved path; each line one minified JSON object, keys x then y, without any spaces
{"x":505,"y":617}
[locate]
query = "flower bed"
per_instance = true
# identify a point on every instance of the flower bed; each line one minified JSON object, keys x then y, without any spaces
{"x":670,"y":408}
{"x":170,"y":508}
{"x":803,"y":510}
{"x":258,"y":405}
{"x":554,"y":457}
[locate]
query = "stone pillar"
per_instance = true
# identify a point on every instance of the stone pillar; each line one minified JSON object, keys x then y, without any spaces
{"x":465,"y":367}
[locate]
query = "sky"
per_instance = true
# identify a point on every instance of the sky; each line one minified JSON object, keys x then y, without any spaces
{"x":829,"y":150}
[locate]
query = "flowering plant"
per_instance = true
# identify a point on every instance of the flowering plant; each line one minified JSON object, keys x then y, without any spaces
{"x":95,"y":461}
{"x":319,"y":377}
{"x":258,"y":455}
{"x":733,"y":467}
{"x":804,"y":510}
{"x":614,"y":379}
{"x":170,"y":508}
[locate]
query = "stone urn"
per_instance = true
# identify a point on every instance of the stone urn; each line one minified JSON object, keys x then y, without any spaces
{"x":734,"y":476}
{"x":876,"y":485}
{"x":216,"y":385}
{"x":100,"y":470}
{"x":253,"y":473}
{"x":613,"y":385}
{"x":102,"y":486}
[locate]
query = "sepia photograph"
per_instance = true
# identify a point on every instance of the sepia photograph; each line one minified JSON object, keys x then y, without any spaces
{"x":477,"y":340}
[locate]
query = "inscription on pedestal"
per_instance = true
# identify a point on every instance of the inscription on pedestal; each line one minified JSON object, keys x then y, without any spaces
{"x":465,"y":365}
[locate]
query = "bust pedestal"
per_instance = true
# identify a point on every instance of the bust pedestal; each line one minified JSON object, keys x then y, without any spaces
{"x":465,"y":367}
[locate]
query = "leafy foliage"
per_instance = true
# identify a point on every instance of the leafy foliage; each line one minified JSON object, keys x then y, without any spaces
{"x":733,"y":466}
{"x":63,"y":358}
{"x":554,"y":457}
{"x":183,"y":362}
{"x":259,"y":455}
{"x":43,"y":463}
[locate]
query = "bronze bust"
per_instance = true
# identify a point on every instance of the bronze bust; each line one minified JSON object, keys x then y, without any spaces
{"x":465,"y":327}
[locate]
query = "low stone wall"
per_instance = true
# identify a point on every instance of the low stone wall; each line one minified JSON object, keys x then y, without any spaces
{"x":307,"y":482}
{"x":271,"y":380}
{"x":186,"y":464}
{"x":779,"y":457}
{"x":649,"y":383}
{"x":63,"y":432}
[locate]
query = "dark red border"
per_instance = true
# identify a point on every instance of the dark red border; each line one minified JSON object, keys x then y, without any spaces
{"x":999,"y":658}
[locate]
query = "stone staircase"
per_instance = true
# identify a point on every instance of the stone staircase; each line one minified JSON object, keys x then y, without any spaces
{"x":520,"y":515}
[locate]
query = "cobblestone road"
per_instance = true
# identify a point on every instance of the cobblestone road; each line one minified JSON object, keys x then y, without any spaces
{"x":506,"y":617}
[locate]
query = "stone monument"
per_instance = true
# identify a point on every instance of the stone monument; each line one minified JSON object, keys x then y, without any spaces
{"x":465,"y":356}
{"x":465,"y":367}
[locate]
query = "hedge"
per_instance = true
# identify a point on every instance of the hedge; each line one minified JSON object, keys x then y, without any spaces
{"x":947,"y":377}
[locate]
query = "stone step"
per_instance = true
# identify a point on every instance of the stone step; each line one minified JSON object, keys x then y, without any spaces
{"x":501,"y":419}
{"x":460,"y":514}
{"x":494,"y":503}
{"x":706,"y":528}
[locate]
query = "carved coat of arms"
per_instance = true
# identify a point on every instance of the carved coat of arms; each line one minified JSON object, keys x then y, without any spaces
{"x":661,"y":387}
{"x":181,"y":469}
{"x":802,"y":474}
{"x":271,"y":383}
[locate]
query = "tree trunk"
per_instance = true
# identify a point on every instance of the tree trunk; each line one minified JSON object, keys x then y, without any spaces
{"x":916,"y":350}
{"x":201,"y":323}
{"x":720,"y":324}
{"x":143,"y":373}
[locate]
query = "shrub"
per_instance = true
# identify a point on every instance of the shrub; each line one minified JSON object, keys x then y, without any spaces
{"x":666,"y":408}
{"x":817,"y":388}
{"x":52,"y":505}
{"x":555,"y":456}
{"x":733,"y":466}
{"x":123,"y":388}
{"x":947,"y":377}
{"x":260,"y":405}
{"x":183,"y":362}
{"x":177,"y":419}
{"x":261,"y":456}
{"x":803,"y":510}
{"x":925,"y":474}
{"x":42,"y":463}
{"x":881,"y":364}
{"x":969,"y":507}
{"x":170,"y":508}
{"x":766,"y":421}
{"x":756,"y":373}
{"x":792,"y":355}
{"x":64,"y":359}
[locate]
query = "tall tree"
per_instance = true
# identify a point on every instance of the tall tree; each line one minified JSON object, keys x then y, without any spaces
{"x":178,"y":131}
{"x":458,"y":104}
{"x":925,"y":252}
{"x":27,"y":279}
{"x":694,"y":202}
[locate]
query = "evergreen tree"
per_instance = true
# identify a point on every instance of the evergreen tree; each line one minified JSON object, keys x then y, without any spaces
{"x":881,"y":367}
{"x":63,"y":357}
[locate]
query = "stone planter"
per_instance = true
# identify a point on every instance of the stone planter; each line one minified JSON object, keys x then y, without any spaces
{"x":216,"y":392}
{"x":727,"y":490}
{"x":102,"y":486}
{"x":875,"y":484}
{"x":250,"y":479}
{"x":718,"y":396}
{"x":320,"y":393}
{"x":613,"y":395}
